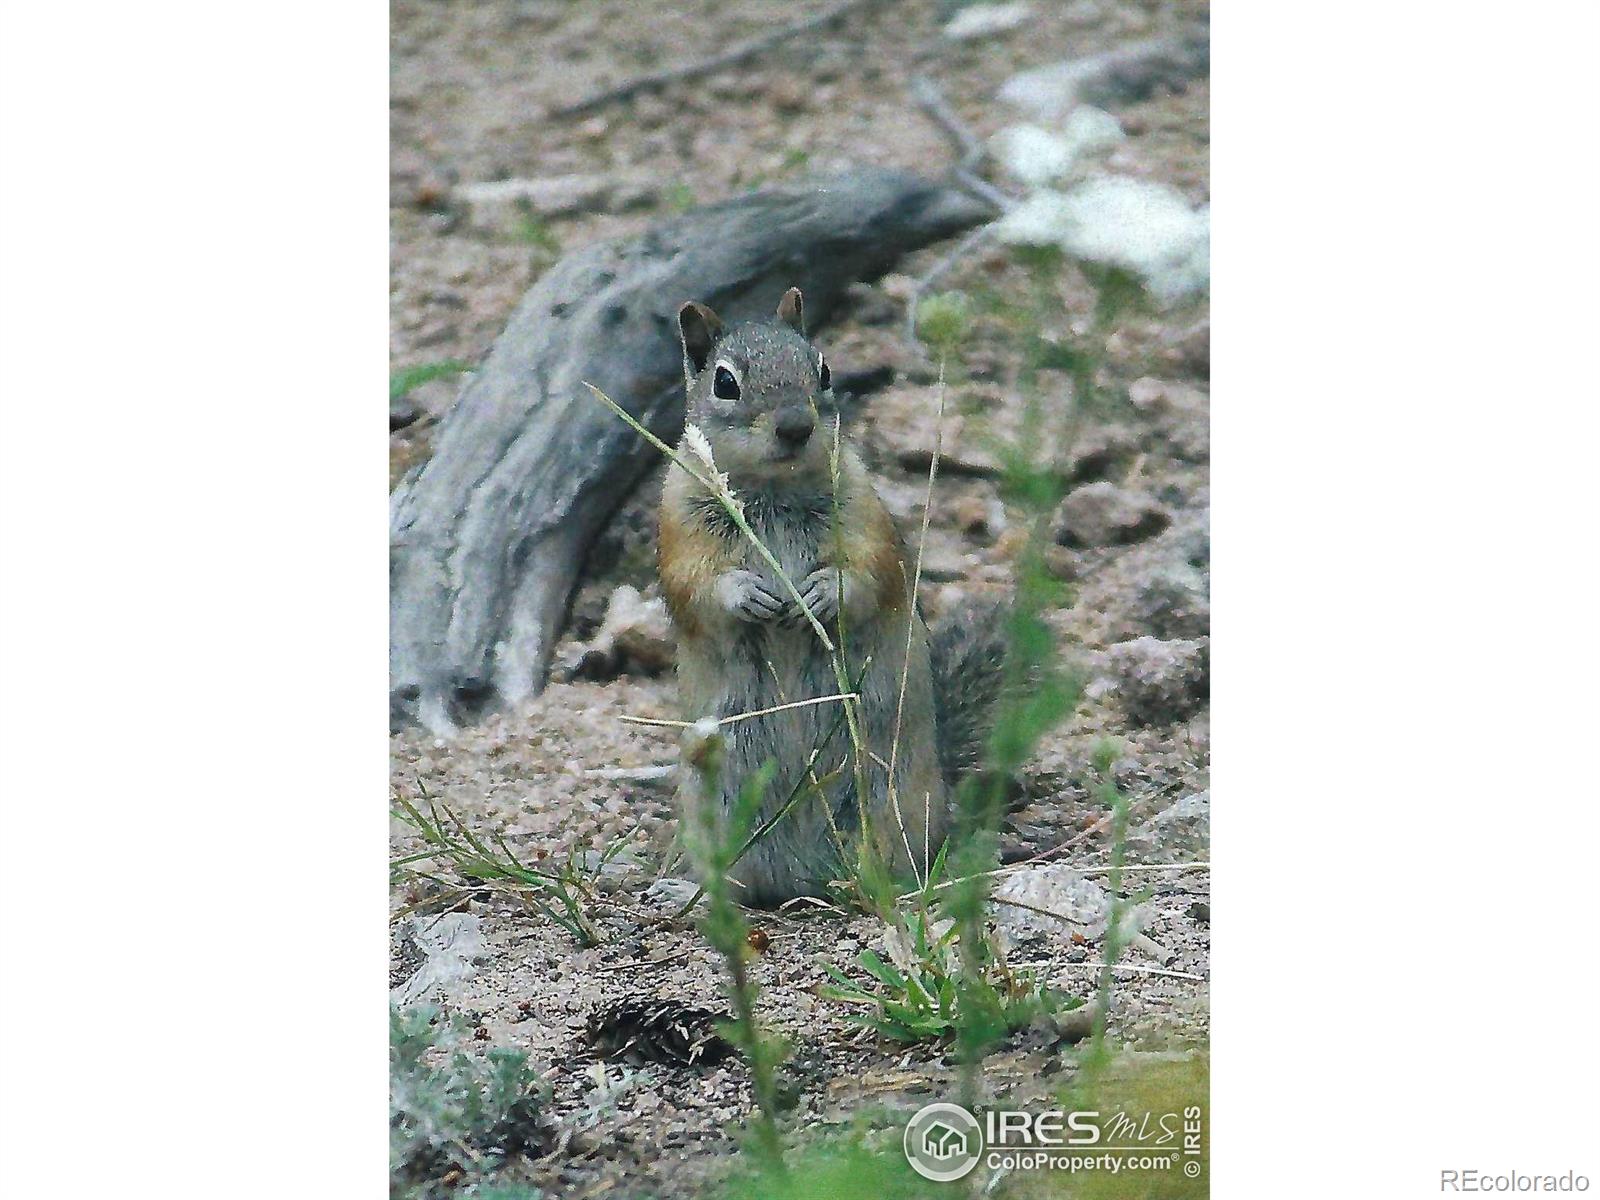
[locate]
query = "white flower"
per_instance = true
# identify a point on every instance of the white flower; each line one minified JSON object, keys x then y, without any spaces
{"x":1146,"y":228}
{"x":698,"y":446}
{"x":1037,"y":156}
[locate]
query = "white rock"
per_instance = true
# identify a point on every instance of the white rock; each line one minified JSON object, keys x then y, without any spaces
{"x":1180,"y":832}
{"x":983,"y":20}
{"x":497,"y":204}
{"x":1121,"y":74}
{"x":670,"y":892}
{"x":1079,"y":904}
{"x":451,"y":944}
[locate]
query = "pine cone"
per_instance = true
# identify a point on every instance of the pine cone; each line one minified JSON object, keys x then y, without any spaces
{"x":640,"y":1030}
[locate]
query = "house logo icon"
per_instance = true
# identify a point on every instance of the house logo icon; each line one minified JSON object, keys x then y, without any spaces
{"x":943,"y":1142}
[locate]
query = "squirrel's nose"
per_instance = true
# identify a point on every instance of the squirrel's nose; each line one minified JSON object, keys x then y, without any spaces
{"x":794,"y":424}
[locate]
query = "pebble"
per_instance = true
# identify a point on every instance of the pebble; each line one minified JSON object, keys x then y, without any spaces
{"x":1103,"y":514}
{"x":1157,"y":682}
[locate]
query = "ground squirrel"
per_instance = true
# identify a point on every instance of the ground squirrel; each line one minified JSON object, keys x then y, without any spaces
{"x":762,"y":395}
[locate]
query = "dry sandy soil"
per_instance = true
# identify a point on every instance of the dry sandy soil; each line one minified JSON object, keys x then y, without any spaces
{"x":471,"y":86}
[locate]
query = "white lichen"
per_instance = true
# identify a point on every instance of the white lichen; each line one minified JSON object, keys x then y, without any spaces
{"x":1036,"y":156}
{"x":1146,"y":228}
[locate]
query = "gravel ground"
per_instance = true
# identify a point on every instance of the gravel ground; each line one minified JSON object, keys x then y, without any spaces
{"x":471,"y":85}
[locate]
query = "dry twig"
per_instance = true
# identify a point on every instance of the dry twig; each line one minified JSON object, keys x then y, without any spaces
{"x":931,"y":100}
{"x":731,"y":57}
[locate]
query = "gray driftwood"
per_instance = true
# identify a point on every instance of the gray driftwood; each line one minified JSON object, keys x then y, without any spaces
{"x":488,"y":536}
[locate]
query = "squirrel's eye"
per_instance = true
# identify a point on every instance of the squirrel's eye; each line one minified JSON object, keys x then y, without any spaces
{"x":824,"y":376}
{"x":723,"y":385}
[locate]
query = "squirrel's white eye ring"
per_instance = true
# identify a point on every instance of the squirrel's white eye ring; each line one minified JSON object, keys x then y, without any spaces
{"x":725,"y":382}
{"x":824,"y":376}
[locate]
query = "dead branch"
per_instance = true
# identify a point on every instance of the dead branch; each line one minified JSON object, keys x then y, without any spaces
{"x":487,"y":538}
{"x":731,"y":57}
{"x":969,"y":148}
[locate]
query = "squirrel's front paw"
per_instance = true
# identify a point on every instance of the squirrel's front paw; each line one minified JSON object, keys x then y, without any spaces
{"x":748,"y":596}
{"x":820,"y":591}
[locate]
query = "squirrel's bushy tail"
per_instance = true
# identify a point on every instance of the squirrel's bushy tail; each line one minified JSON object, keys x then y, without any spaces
{"x":967,"y":648}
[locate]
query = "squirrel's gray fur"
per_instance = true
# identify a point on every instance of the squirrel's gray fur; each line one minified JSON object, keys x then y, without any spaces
{"x":744,"y":645}
{"x":968,"y":650}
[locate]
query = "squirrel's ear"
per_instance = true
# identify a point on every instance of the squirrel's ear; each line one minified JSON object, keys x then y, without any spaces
{"x":792,"y":310}
{"x":698,"y":326}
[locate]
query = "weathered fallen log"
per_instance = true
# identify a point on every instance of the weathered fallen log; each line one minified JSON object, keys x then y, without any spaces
{"x":488,"y":536}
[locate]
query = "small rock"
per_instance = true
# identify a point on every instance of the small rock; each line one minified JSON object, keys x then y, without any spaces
{"x":907,"y":421}
{"x":670,"y":893}
{"x":635,"y":635}
{"x":1181,"y":831}
{"x":985,"y":20}
{"x":1061,"y":563}
{"x":1191,"y":349}
{"x":1190,"y":441}
{"x":1150,"y":395}
{"x":631,"y":195}
{"x":942,"y":558}
{"x":872,"y":306}
{"x":1103,"y":514}
{"x":1098,"y":450}
{"x":1157,"y":682}
{"x":1170,"y":602}
{"x":1081,"y":13}
{"x":899,"y":287}
{"x":1081,"y":904}
{"x":498,"y":206}
{"x":979,"y":516}
{"x":540,"y":14}
{"x":417,"y":182}
{"x":790,"y":93}
{"x":1120,"y":76}
{"x":1181,"y":411}
{"x":448,"y":945}
{"x":651,"y":111}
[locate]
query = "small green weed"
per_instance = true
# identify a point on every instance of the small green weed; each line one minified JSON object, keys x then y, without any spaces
{"x":714,"y":842}
{"x":453,"y":1118}
{"x":921,"y":995}
{"x":678,"y":197}
{"x":564,"y":892}
{"x":835,"y":1169}
{"x":406,"y":381}
{"x":533,"y":230}
{"x":794,"y":160}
